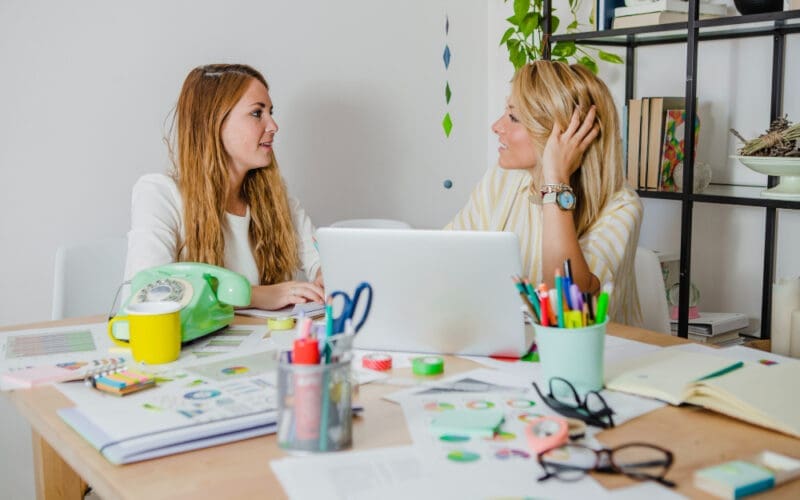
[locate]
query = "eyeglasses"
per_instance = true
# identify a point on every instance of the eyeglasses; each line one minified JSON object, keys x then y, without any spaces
{"x":564,"y":399}
{"x":641,"y":461}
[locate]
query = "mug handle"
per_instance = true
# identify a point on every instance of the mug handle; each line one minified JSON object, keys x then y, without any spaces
{"x":119,"y":342}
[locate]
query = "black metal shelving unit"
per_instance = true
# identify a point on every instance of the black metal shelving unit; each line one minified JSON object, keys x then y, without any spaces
{"x":776,"y":25}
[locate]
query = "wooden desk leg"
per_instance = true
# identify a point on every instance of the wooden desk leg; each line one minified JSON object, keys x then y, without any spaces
{"x":55,"y":479}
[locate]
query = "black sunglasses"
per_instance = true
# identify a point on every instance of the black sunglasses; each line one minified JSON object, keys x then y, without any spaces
{"x":641,"y":461}
{"x":564,"y":399}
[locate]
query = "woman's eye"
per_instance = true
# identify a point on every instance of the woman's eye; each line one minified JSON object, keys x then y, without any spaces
{"x":257,"y":113}
{"x":513,"y":118}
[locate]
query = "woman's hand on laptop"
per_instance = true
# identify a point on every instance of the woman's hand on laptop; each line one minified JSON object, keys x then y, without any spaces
{"x":272,"y":297}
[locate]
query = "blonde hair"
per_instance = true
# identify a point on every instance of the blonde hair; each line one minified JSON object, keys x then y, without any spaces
{"x":545,"y":93}
{"x":201,"y":172}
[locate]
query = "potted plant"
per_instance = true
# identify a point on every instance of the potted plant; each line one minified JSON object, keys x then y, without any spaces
{"x":525,"y":39}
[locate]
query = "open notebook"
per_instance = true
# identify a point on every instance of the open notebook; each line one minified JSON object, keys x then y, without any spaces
{"x":760,"y":394}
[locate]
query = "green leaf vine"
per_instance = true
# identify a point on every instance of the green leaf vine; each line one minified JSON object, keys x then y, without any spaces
{"x":525,"y":39}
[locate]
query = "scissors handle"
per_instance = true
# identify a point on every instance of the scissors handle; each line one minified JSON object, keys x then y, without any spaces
{"x":356,"y":296}
{"x":349,"y":307}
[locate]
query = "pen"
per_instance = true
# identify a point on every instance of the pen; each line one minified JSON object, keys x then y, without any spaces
{"x":524,"y":295}
{"x":587,"y":299}
{"x":532,"y":297}
{"x":549,"y":310}
{"x":575,"y":297}
{"x":602,"y":307}
{"x":545,"y":318}
{"x":559,"y":299}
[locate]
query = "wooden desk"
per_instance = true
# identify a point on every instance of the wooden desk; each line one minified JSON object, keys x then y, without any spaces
{"x":64,"y":460}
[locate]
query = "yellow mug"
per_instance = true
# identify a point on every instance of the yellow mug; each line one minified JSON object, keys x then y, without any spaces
{"x":155,"y":331}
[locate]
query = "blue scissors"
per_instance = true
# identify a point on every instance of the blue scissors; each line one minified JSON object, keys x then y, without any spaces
{"x":350,"y":305}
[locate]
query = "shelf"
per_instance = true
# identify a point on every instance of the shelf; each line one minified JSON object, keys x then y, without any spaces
{"x":725,"y":194}
{"x":709,"y":29}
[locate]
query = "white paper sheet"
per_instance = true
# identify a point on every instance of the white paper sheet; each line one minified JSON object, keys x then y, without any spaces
{"x":625,"y":406}
{"x":404,"y":472}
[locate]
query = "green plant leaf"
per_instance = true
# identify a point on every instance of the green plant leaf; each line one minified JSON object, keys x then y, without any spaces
{"x":609,"y":57}
{"x":507,"y":35}
{"x":513,"y":20}
{"x":520,"y":9}
{"x":564,"y":49}
{"x":530,"y":23}
{"x":589,"y":63}
{"x":518,"y":57}
{"x":538,"y":5}
{"x":554,"y":21}
{"x":562,"y":59}
{"x":572,"y":26}
{"x":512,"y":44}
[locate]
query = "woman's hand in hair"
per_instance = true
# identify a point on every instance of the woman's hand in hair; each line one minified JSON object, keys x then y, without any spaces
{"x":272,"y":297}
{"x":564,"y":150}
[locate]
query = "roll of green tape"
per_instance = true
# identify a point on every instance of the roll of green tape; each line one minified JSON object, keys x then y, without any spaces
{"x":427,"y":365}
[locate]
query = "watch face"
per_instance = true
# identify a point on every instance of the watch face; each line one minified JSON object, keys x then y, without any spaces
{"x":566,"y":200}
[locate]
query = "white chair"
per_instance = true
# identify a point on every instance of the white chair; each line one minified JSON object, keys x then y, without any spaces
{"x":652,"y":295}
{"x":372,"y":223}
{"x":87,"y":277}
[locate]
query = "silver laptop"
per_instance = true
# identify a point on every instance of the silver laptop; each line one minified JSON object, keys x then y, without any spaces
{"x":447,"y":292}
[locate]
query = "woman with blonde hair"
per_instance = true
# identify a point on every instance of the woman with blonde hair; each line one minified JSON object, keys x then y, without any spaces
{"x":560,"y":185}
{"x":225,"y":203}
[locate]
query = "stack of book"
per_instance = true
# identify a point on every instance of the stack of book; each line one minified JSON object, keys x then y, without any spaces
{"x":654,"y":141}
{"x":646,"y":13}
{"x":721,"y":329}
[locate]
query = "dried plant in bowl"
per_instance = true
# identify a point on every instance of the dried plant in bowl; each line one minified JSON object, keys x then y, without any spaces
{"x":781,"y":139}
{"x":776,"y":153}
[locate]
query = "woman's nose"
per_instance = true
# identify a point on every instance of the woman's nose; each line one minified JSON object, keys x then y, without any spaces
{"x":272,"y":126}
{"x":496,"y":126}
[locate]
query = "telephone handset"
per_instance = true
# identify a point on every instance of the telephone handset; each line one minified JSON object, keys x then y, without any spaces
{"x":206,"y":293}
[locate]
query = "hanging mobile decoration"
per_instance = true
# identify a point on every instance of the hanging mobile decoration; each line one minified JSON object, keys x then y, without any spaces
{"x":447,"y":123}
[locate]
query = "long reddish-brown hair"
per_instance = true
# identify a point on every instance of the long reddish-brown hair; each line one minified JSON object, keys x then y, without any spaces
{"x":201,"y":172}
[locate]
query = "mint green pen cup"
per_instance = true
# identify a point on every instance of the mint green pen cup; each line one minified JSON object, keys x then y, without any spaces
{"x":574,"y":354}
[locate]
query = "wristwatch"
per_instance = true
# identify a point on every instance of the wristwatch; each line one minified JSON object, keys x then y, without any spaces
{"x":560,"y":194}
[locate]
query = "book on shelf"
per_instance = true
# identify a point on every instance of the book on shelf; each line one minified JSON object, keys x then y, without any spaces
{"x":633,"y":138}
{"x":655,"y":138}
{"x":673,"y":145}
{"x":653,"y":18}
{"x":644,"y":134}
{"x":744,"y":390}
{"x":711,"y":324}
{"x":670,"y":6}
{"x":604,"y":13}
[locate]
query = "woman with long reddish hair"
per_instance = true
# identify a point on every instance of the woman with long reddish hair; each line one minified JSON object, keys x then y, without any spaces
{"x":225,"y":203}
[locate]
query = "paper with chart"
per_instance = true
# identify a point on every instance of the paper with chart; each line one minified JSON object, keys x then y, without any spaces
{"x":80,"y":348}
{"x":216,"y":401}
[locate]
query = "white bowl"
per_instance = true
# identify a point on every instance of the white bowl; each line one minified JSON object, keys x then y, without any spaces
{"x":787,"y":168}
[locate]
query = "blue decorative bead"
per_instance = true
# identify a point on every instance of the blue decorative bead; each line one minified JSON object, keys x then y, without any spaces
{"x":448,"y":184}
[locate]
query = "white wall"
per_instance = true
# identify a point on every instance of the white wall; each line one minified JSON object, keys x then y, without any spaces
{"x":733,"y":88}
{"x":358,"y":88}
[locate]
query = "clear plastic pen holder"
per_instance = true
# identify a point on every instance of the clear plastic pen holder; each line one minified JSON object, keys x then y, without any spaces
{"x":314,"y":406}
